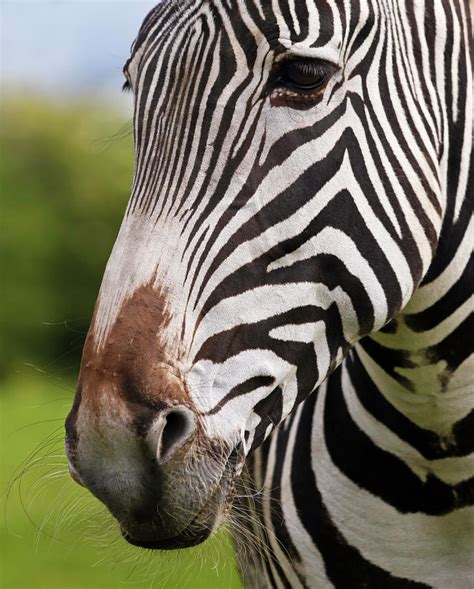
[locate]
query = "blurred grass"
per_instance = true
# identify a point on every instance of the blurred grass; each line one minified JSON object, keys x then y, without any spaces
{"x":65,"y":175}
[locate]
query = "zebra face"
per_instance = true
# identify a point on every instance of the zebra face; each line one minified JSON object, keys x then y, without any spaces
{"x":249,"y":259}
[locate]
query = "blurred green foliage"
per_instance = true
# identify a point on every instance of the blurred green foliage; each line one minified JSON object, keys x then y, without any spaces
{"x":65,"y":176}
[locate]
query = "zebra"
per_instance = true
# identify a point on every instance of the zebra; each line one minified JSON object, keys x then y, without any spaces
{"x":287,"y":309}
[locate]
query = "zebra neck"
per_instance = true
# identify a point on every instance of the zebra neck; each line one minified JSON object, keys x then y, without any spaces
{"x":421,"y":364}
{"x":418,"y":382}
{"x":422,"y":361}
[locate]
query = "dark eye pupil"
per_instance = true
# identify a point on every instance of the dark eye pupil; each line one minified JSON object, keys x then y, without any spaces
{"x":302,"y":75}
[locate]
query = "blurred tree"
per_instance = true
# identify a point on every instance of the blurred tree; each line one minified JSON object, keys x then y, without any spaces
{"x":65,"y":175}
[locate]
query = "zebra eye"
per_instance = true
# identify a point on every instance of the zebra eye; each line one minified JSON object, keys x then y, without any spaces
{"x":303,"y":74}
{"x":300,"y":81}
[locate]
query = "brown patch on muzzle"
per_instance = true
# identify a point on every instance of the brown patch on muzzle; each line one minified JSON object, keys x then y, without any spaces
{"x":132,"y":375}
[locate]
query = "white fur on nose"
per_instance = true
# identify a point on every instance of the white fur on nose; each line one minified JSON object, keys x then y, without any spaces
{"x":169,"y":432}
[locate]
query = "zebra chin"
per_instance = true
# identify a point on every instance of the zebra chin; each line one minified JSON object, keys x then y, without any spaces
{"x":202,"y":526}
{"x":166,"y":533}
{"x":184,"y":540}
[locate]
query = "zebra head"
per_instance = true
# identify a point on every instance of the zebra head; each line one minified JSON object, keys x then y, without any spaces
{"x":284,"y":204}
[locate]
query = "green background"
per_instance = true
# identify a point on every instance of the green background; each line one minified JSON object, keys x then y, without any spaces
{"x":65,"y":174}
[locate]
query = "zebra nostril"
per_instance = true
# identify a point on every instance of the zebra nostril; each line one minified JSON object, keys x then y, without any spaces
{"x":170,"y":432}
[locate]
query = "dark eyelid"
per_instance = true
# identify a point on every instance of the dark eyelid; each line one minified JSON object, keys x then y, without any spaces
{"x":280,"y":71}
{"x":287,"y":56}
{"x":322,"y":63}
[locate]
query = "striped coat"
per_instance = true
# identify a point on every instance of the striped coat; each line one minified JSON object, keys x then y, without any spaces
{"x":283,"y":336}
